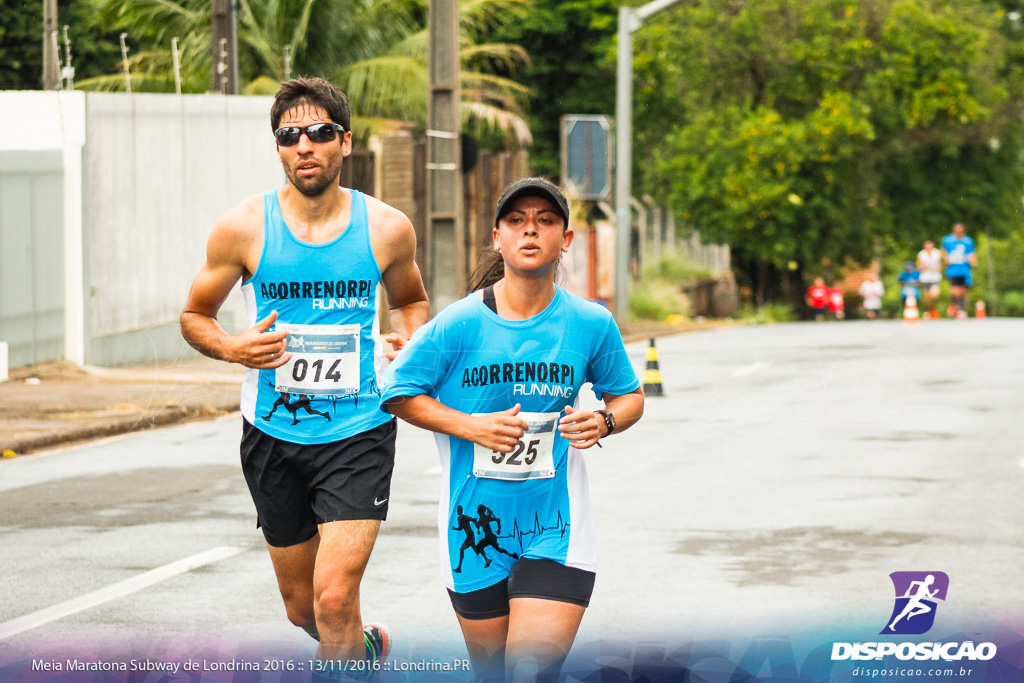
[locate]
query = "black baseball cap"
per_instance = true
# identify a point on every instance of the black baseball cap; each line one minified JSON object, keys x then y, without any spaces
{"x":533,"y":187}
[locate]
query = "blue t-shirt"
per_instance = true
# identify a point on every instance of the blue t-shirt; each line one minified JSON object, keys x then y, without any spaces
{"x":909,"y":282}
{"x":471,"y":359}
{"x":957,"y":251}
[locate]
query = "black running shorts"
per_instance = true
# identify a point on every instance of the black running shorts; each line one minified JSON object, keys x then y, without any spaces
{"x":297,"y":486}
{"x":544,"y":579}
{"x":958,"y":281}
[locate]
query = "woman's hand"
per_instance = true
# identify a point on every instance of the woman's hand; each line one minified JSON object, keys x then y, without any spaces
{"x":582,"y":428}
{"x":497,"y":431}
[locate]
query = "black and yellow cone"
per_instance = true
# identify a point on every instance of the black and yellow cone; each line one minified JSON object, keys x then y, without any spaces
{"x":652,"y":375}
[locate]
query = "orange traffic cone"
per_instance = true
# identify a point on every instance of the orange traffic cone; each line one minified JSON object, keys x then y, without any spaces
{"x":979,"y":309}
{"x":910,"y":312}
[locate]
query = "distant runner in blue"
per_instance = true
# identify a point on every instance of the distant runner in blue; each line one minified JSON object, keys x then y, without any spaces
{"x":909,"y":281}
{"x":959,"y":256}
{"x":497,"y":377}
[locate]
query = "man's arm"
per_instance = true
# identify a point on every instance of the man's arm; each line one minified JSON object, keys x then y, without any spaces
{"x":407,"y":298}
{"x":225,"y":264}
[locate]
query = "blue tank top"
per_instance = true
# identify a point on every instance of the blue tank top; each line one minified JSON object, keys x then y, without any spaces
{"x":325,"y":295}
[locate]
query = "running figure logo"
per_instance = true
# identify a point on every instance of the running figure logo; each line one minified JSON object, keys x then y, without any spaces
{"x":293,"y":407}
{"x":483,"y":522}
{"x":916,"y":595}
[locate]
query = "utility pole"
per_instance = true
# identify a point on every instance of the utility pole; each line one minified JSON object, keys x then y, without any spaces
{"x":51,"y":70}
{"x":446,"y":253}
{"x":67,"y":74}
{"x":631,"y":19}
{"x":991,"y":270}
{"x":224,"y":30}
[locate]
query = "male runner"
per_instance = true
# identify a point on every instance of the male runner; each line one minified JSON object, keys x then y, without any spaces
{"x":310,"y":256}
{"x":958,"y":253}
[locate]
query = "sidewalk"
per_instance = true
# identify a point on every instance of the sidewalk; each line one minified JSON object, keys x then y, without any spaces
{"x":52,"y":404}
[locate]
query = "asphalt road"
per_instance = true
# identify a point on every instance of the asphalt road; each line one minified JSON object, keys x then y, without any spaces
{"x":788,"y":470}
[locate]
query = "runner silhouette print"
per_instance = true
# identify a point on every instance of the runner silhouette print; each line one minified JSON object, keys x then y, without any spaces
{"x":293,"y":407}
{"x":490,"y":539}
{"x":465,"y":524}
{"x":917,"y":594}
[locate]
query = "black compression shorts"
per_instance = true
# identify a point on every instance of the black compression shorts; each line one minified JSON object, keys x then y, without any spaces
{"x":529,"y":578}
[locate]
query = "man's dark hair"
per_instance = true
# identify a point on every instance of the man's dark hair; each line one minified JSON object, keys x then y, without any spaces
{"x":314,"y":92}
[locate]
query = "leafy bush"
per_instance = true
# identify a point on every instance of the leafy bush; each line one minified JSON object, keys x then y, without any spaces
{"x":1010,"y":304}
{"x":769,"y":313}
{"x":656,"y":299}
{"x":660,"y":293}
{"x":676,"y":270}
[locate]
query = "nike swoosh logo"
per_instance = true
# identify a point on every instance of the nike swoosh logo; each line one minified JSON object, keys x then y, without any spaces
{"x":379,"y":502}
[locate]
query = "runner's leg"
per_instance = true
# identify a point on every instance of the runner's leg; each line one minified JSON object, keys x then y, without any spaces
{"x":340,"y":562}
{"x":485,"y":640}
{"x":294,"y":569}
{"x":540,"y":633}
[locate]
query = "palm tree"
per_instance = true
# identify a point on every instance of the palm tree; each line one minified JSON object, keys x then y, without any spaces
{"x":392,"y":84}
{"x":375,"y":49}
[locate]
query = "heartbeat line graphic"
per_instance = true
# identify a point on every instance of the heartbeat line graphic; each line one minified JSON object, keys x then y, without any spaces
{"x":537,"y":529}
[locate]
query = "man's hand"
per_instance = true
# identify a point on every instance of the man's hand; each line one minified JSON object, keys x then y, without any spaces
{"x":256,"y":348}
{"x":397,"y":342}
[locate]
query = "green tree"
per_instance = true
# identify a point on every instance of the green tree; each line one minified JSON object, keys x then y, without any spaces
{"x":21,"y":37}
{"x":375,"y":49}
{"x":800,"y":130}
{"x":571,"y":69}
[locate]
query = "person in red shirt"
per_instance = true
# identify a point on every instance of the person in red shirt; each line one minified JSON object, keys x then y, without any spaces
{"x":817,"y":298}
{"x":836,"y":305}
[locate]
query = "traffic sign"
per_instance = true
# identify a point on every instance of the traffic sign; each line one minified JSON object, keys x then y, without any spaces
{"x":587,"y":156}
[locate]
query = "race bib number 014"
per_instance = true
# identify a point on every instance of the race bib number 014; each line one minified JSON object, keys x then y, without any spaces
{"x":532,"y":457}
{"x":325,"y":360}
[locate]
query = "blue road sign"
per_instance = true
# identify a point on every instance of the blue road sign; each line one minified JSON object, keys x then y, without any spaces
{"x":587,"y":156}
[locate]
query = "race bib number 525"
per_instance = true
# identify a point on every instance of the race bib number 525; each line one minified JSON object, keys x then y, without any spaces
{"x":532,"y":457}
{"x":325,"y":360}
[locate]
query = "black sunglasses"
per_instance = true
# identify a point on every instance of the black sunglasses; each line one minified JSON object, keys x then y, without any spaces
{"x":288,"y":136}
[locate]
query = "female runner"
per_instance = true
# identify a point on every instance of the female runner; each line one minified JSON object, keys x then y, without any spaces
{"x":497,"y":377}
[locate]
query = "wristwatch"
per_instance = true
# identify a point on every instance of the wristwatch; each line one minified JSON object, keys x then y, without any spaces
{"x":609,"y":420}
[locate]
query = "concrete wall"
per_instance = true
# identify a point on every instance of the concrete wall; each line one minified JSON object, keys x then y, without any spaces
{"x":113,"y":197}
{"x":32,"y":245}
{"x":41,"y":288}
{"x":159,"y":171}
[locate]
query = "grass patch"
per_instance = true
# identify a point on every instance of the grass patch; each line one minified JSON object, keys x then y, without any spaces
{"x":769,"y":313}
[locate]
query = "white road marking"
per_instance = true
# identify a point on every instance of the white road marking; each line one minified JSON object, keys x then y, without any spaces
{"x":117,"y":590}
{"x":748,"y":369}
